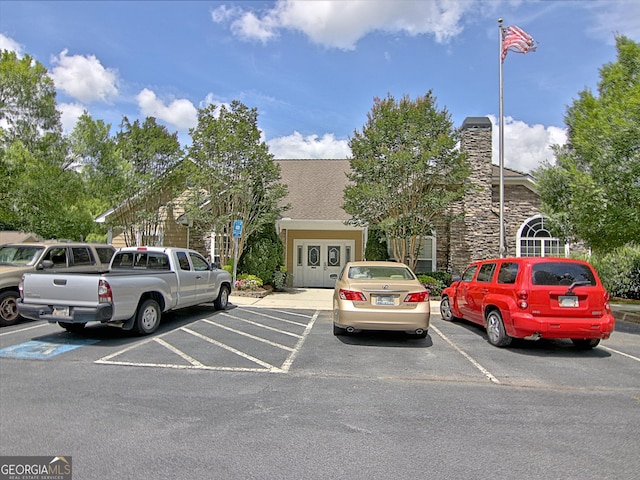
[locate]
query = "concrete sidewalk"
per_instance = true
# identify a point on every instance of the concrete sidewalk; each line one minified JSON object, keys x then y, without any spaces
{"x":321,"y":299}
{"x":305,"y":298}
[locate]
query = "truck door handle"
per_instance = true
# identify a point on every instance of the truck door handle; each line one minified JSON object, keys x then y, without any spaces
{"x":59,"y":281}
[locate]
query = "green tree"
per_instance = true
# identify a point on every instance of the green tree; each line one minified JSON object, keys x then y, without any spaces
{"x":406,"y":170}
{"x":232,"y":175}
{"x":592,"y":192}
{"x":27,"y":100}
{"x":264,"y":253}
{"x":150,"y":180}
{"x":40,"y":191}
{"x":103,"y":171}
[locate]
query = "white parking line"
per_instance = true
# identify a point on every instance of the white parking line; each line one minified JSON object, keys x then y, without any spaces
{"x":621,"y":353}
{"x":484,"y":371}
{"x":287,"y":363}
{"x":266,"y":327}
{"x":23,"y":329}
{"x":266,"y":365}
{"x":179,"y":352}
{"x":239,"y":332}
{"x":300,"y":324}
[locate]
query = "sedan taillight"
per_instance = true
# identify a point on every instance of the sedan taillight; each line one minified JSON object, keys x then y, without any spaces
{"x":352,"y":295}
{"x":417,"y":297}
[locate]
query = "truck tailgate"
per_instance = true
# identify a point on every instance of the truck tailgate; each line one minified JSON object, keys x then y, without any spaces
{"x":61,"y":289}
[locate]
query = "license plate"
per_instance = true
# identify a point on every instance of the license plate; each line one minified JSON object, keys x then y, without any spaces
{"x":60,"y":311}
{"x":568,"y":301}
{"x":385,"y":300}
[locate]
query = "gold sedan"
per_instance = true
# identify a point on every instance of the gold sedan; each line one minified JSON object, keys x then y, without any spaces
{"x":380,"y":296}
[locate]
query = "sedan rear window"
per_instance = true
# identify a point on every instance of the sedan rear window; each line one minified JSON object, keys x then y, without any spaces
{"x":380,"y":273}
{"x":561,"y":273}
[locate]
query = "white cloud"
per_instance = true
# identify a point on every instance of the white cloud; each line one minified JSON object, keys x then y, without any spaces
{"x":619,"y":17}
{"x":299,"y":147}
{"x":7,"y":43}
{"x":341,"y":24}
{"x":180,"y":113}
{"x":69,"y":114}
{"x":526,"y":146}
{"x":84,"y":78}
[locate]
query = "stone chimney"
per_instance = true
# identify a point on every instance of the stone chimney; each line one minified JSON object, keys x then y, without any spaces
{"x":475,"y":232}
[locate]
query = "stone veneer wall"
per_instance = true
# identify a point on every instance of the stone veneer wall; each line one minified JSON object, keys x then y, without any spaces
{"x":474,"y":234}
{"x":520,"y":204}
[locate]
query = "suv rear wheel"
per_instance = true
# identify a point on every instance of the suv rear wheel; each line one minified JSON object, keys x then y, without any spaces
{"x":585,"y":344}
{"x":496,"y":333}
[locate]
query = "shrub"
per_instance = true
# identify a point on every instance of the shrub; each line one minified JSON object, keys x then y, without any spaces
{"x":619,"y":271}
{"x":376,"y":247}
{"x":248,"y":282}
{"x":434,"y":285}
{"x":280,"y":279}
{"x":264,"y":253}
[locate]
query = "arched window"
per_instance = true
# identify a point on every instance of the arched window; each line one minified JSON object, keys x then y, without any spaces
{"x":534,"y":240}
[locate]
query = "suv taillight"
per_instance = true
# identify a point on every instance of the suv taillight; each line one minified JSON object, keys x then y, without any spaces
{"x":523,"y":296}
{"x":104,"y":292}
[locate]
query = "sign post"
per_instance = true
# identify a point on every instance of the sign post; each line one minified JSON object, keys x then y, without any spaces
{"x":237,"y":233}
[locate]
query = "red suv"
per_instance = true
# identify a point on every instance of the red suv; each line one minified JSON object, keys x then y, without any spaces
{"x":532,"y":298}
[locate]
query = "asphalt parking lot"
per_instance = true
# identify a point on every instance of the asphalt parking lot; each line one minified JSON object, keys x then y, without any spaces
{"x":268,"y":392}
{"x":281,"y":340}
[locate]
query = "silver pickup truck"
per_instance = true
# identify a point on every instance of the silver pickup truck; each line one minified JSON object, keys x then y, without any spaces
{"x":141,"y":284}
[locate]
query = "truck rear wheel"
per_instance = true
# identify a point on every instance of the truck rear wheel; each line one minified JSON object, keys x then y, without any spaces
{"x":223,"y":298}
{"x":148,"y":317}
{"x":8,"y":308}
{"x":72,"y":327}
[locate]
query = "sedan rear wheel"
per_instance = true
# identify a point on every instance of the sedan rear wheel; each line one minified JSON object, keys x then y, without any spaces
{"x":496,"y":332}
{"x":338,"y":330}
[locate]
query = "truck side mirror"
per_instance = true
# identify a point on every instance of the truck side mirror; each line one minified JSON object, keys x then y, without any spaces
{"x":44,"y":265}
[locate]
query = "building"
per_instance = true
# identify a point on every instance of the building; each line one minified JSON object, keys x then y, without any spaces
{"x":318,"y":241}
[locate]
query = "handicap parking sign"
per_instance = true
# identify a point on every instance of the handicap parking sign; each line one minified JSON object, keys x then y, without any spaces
{"x":237,"y":228}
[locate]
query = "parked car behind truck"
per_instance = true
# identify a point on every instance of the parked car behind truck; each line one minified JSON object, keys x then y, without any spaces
{"x":142,"y":283}
{"x":532,"y":298}
{"x":18,"y":258}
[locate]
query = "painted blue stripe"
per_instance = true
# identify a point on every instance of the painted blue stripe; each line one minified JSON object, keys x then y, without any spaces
{"x":45,"y":348}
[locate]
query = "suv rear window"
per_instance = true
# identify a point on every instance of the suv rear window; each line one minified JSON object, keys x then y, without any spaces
{"x":105,"y":254}
{"x":561,"y":273}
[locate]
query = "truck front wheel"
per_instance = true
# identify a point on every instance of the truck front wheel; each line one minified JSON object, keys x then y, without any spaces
{"x":148,"y":317}
{"x":223,"y":298}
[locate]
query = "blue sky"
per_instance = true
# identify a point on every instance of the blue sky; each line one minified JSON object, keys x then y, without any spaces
{"x":312,"y":68}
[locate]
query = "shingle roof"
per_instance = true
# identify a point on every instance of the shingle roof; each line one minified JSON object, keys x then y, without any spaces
{"x":316,"y":188}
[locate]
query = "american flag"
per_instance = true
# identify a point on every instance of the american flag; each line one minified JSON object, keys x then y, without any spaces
{"x":516,"y":40}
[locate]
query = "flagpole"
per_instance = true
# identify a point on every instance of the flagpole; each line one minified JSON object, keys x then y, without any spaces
{"x":501,"y":148}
